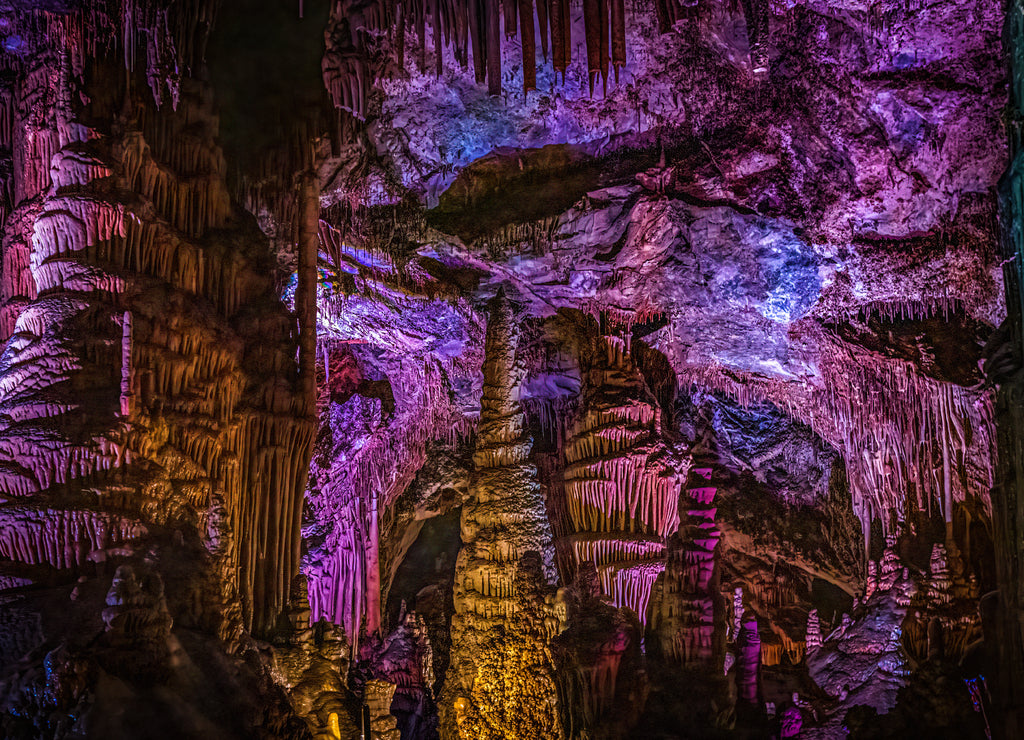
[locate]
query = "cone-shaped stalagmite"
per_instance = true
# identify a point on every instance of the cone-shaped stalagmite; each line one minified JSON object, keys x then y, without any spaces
{"x":500,"y":682}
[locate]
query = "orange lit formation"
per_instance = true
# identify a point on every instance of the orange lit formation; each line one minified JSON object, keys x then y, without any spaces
{"x":500,"y":683}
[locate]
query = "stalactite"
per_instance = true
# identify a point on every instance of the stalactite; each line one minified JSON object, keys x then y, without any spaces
{"x":620,"y":496}
{"x":493,"y":47}
{"x":602,"y":14}
{"x":65,"y":539}
{"x":529,"y":43}
{"x":618,"y":30}
{"x":813,"y":639}
{"x":560,"y":48}
{"x":478,"y":36}
{"x":592,"y":30}
{"x":542,"y":23}
{"x":669,"y":13}
{"x":511,"y":11}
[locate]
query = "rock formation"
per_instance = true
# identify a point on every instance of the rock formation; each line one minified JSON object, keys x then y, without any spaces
{"x":621,"y":488}
{"x":282,"y":457}
{"x":500,"y":682}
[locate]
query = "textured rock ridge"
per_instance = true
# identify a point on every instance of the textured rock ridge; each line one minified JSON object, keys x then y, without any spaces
{"x":622,"y":483}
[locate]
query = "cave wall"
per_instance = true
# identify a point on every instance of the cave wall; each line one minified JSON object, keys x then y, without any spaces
{"x":154,"y":429}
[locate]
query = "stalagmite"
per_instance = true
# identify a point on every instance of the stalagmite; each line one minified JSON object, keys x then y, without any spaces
{"x":749,"y":663}
{"x":500,"y":683}
{"x":685,"y":617}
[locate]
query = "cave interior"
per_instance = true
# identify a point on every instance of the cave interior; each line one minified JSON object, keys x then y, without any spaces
{"x":511,"y":369}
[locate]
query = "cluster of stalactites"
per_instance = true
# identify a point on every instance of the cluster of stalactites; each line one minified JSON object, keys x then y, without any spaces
{"x":369,"y":481}
{"x":169,"y":37}
{"x":473,"y":29}
{"x":906,"y":435}
{"x":620,"y":499}
{"x":115,"y":286}
{"x":908,"y":440}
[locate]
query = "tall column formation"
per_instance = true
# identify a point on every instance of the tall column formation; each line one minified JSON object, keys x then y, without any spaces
{"x":500,"y":683}
{"x":621,"y":489}
{"x":306,"y":287}
{"x":684,"y":617}
{"x":150,"y":377}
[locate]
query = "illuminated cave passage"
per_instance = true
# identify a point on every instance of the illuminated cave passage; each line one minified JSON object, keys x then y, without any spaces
{"x":511,"y":369}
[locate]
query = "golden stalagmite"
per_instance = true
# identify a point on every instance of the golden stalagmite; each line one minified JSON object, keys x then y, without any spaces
{"x":500,"y":683}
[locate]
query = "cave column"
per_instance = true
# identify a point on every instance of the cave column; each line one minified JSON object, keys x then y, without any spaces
{"x":500,"y":683}
{"x":373,"y":567}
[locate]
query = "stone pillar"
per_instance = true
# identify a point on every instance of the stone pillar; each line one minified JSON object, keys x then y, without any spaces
{"x":500,"y":683}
